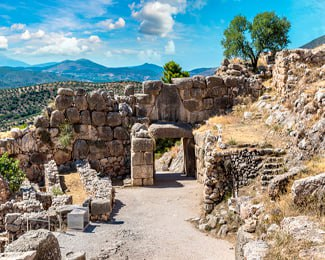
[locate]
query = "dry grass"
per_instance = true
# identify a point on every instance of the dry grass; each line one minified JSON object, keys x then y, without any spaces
{"x":235,"y":130}
{"x":315,"y":165}
{"x":286,"y":247}
{"x":75,"y":188}
{"x":5,"y":135}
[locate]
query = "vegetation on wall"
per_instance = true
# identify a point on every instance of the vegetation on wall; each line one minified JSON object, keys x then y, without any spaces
{"x":65,"y":137}
{"x":9,"y":169}
{"x":173,"y":70}
{"x":267,"y":32}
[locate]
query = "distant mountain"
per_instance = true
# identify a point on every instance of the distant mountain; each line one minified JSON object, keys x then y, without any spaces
{"x":203,"y":71}
{"x":18,"y":77}
{"x":5,"y":61}
{"x":82,"y":70}
{"x":314,"y":43}
{"x":44,"y":64}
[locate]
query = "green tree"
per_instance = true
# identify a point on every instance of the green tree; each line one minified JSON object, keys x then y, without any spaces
{"x":247,"y":40}
{"x":9,"y":169}
{"x":173,"y":70}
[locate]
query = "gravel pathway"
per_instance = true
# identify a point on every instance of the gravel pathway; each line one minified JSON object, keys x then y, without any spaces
{"x":150,"y":223}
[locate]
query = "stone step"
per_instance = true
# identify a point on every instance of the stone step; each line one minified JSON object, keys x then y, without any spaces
{"x":272,"y":165}
{"x":272,"y":171}
{"x":267,"y":177}
{"x":274,"y":160}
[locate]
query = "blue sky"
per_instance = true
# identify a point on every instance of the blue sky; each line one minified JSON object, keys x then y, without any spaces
{"x":125,"y":33}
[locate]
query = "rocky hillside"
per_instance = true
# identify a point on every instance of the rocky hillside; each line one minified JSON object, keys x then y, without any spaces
{"x":265,"y":164}
{"x":314,"y":43}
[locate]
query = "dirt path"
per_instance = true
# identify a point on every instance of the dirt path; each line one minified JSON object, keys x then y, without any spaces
{"x":150,"y":223}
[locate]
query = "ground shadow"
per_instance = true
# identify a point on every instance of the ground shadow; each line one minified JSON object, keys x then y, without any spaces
{"x":116,"y":208}
{"x":169,"y":180}
{"x":91,"y":228}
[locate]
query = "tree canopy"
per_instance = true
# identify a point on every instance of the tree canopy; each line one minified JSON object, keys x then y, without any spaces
{"x":267,"y":32}
{"x":173,"y":70}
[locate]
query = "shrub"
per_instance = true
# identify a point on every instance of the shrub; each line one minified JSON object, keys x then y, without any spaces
{"x":232,"y":141}
{"x":57,"y":191}
{"x":9,"y":169}
{"x":173,"y":70}
{"x":65,"y":137}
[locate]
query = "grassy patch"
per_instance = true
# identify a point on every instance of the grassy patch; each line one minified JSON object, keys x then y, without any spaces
{"x":66,"y":135}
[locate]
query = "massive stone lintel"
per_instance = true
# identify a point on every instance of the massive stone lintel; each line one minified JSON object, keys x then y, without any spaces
{"x":170,"y":130}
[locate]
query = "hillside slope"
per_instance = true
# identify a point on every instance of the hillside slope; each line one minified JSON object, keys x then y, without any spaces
{"x":314,"y":43}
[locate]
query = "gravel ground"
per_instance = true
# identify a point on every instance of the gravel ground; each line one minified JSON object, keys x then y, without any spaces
{"x":150,"y":223}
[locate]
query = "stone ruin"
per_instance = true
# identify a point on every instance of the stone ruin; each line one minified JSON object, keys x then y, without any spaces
{"x":112,"y":137}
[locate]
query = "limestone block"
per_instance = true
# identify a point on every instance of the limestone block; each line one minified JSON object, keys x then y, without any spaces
{"x":196,"y":93}
{"x":199,"y":82}
{"x":148,"y":158}
{"x":87,"y":132}
{"x":62,"y":157}
{"x":142,"y":171}
{"x":113,"y":119}
{"x":121,"y":133}
{"x":142,"y":145}
{"x":105,"y":133}
{"x":98,"y":118}
{"x":81,"y":102}
{"x":73,"y":115}
{"x":63,"y":102}
{"x":170,"y":130}
{"x":231,"y":82}
{"x":97,"y":150}
{"x":183,"y":83}
{"x":136,"y":182}
{"x":144,"y":99}
{"x":116,"y":148}
{"x":214,"y":81}
{"x":57,"y":118}
{"x":100,"y":207}
{"x":80,"y":150}
{"x":38,"y":158}
{"x":148,"y":182}
{"x":208,"y":103}
{"x":65,"y":92}
{"x":96,"y":101}
{"x":151,"y":87}
{"x":28,"y":143}
{"x":85,"y":118}
{"x":137,"y":159}
{"x":41,"y":121}
{"x":191,"y":105}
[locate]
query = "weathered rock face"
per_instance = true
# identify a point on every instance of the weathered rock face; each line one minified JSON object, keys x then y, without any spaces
{"x":42,"y":241}
{"x":310,"y":191}
{"x":4,"y":190}
{"x":194,"y":99}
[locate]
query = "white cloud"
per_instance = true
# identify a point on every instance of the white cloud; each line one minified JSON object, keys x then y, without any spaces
{"x":3,"y":42}
{"x":143,"y":55}
{"x":199,"y":4}
{"x":170,"y":47}
{"x":156,"y":18}
{"x":109,"y":24}
{"x":39,"y":34}
{"x":18,"y":27}
{"x":26,"y":35}
{"x":94,"y":39}
{"x":59,"y":44}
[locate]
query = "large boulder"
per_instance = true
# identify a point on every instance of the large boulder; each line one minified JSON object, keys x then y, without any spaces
{"x":80,"y":150}
{"x":309,"y":190}
{"x":63,"y":102}
{"x":114,"y":119}
{"x":57,"y":118}
{"x":42,"y":241}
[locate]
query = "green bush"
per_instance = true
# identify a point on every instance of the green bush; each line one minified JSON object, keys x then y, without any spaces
{"x":66,"y":135}
{"x":9,"y":169}
{"x":173,"y":70}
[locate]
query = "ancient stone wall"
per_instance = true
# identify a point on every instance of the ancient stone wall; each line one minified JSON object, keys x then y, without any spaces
{"x":4,"y":190}
{"x":142,"y":156}
{"x":223,"y":171}
{"x":195,"y":99}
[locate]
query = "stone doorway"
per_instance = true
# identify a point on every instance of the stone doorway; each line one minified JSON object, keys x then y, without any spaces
{"x":178,"y":131}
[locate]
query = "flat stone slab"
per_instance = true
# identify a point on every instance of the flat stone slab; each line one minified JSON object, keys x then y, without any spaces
{"x":170,"y":130}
